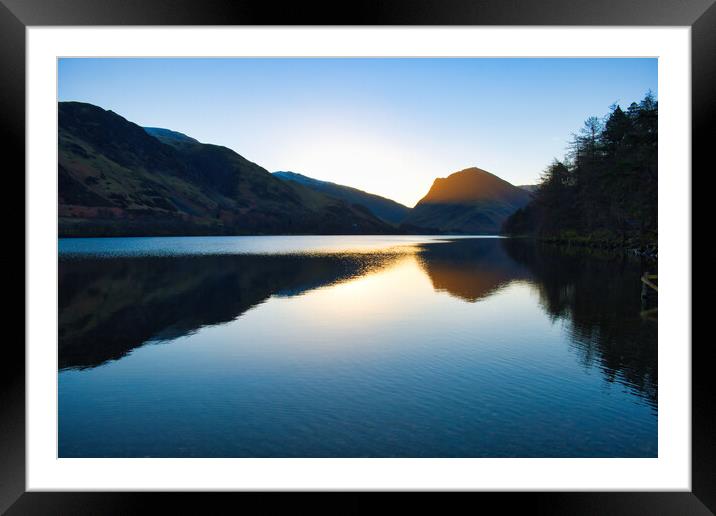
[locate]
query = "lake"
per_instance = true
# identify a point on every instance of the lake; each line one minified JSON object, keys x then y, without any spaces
{"x":356,"y":346}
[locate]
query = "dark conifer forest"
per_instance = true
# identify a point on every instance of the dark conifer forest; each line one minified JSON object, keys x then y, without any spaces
{"x":604,"y":192}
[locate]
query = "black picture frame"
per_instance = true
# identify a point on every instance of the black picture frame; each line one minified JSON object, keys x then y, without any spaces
{"x":17,"y":15}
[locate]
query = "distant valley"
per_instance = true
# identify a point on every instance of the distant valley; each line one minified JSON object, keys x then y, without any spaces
{"x":116,"y":178}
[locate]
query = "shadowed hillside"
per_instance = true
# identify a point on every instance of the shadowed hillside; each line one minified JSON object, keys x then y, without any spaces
{"x":115,"y":178}
{"x":385,"y":209}
{"x":168,"y":136}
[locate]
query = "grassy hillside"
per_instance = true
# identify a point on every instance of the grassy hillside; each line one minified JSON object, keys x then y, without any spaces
{"x":115,"y":178}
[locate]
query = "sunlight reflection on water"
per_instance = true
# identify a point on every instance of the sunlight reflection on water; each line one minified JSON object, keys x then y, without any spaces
{"x":325,"y":347}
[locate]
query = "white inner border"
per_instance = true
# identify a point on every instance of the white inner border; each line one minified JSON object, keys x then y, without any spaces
{"x":671,"y":471}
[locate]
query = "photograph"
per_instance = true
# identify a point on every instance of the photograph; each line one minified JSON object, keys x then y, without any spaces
{"x":357,"y":257}
{"x":409,"y":247}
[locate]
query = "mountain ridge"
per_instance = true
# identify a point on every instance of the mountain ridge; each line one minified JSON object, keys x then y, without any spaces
{"x":116,"y":179}
{"x":169,"y":136}
{"x":388,"y":210}
{"x":469,"y":201}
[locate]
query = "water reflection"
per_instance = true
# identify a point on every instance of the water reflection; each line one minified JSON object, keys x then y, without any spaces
{"x":399,"y":348}
{"x":599,"y":298}
{"x":108,"y":307}
{"x":471,"y":269}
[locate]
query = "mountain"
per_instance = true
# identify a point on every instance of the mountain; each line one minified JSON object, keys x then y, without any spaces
{"x":168,"y":136}
{"x":385,"y":209}
{"x":529,"y":188}
{"x":471,"y":201}
{"x":116,"y":178}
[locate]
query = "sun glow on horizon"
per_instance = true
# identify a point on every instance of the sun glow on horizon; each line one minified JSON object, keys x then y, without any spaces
{"x":367,"y":162}
{"x":388,"y":126}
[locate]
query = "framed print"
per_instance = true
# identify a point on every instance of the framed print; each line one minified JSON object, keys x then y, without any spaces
{"x":411,"y":249}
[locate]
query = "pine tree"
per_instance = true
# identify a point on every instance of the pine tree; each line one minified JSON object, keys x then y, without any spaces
{"x":608,"y":183}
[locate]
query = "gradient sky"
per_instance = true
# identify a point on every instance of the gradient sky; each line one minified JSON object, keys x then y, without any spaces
{"x":387,"y":126}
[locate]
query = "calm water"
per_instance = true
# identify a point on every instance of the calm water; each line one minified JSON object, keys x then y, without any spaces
{"x":351,"y":347}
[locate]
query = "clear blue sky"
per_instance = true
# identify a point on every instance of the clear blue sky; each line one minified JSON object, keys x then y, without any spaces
{"x":388,"y":126}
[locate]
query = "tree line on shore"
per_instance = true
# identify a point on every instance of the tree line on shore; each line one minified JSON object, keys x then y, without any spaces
{"x":605,"y":189}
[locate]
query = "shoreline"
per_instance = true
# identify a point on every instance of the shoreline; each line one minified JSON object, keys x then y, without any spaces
{"x":648,"y":251}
